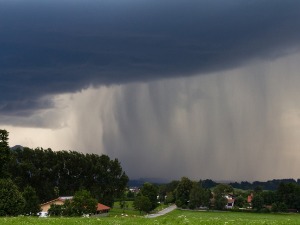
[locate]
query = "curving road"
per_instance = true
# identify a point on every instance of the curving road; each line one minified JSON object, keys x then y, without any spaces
{"x":162,"y":212}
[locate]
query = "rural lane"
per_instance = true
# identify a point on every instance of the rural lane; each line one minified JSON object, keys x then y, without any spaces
{"x":162,"y":212}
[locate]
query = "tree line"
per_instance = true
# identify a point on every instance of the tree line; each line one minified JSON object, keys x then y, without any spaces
{"x":270,"y":185}
{"x":29,"y":177}
{"x":189,"y":194}
{"x":60,"y":173}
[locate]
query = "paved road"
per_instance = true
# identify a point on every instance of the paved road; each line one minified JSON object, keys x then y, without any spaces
{"x":162,"y":212}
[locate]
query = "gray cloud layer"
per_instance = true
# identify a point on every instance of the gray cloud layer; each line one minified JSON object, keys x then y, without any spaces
{"x":51,"y":47}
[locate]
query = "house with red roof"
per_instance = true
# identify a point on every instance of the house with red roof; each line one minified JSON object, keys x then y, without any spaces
{"x":102,"y":208}
{"x":230,"y":201}
{"x":249,"y":199}
{"x":58,"y":201}
{"x":61,"y":200}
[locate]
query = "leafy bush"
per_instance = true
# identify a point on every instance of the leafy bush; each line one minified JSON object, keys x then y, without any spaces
{"x":11,"y":200}
{"x":142,"y":204}
{"x":55,"y":210}
{"x":82,"y":203}
{"x":32,"y":206}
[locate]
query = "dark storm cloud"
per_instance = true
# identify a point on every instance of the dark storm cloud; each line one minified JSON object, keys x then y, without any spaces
{"x":50,"y":47}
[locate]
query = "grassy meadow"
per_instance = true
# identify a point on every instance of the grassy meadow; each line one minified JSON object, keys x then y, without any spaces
{"x":176,"y":217}
{"x":129,"y":209}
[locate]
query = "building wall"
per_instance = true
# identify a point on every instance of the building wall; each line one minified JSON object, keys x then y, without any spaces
{"x":45,"y":207}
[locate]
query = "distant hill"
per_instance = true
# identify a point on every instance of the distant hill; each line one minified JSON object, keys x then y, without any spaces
{"x":17,"y":147}
{"x":139,"y":182}
{"x":271,"y":185}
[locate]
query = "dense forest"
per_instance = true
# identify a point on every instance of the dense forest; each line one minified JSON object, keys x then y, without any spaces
{"x":62,"y":173}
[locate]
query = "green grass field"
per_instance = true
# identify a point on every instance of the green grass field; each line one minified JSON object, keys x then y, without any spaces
{"x":176,"y":217}
{"x":129,"y":210}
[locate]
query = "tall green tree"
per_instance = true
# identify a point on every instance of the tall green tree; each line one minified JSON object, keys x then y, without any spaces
{"x":142,"y":204}
{"x":220,"y":202}
{"x":183,"y":192}
{"x":151,"y":191}
{"x":195,"y":198}
{"x":199,"y":196}
{"x":170,"y":198}
{"x":269,"y":197}
{"x":219,"y":195}
{"x":289,"y":194}
{"x":257,"y":202}
{"x":162,"y":192}
{"x":4,"y":154}
{"x":223,"y":189}
{"x":83,"y":203}
{"x":11,"y":200}
{"x":240,"y":201}
{"x":32,"y":204}
{"x":106,"y":178}
{"x":4,"y":138}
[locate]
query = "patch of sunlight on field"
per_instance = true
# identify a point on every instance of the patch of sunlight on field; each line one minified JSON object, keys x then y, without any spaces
{"x":176,"y":217}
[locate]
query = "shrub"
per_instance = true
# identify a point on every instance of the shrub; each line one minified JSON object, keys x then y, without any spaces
{"x":11,"y":200}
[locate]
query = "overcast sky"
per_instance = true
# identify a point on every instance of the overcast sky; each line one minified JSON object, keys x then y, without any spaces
{"x":197,"y":88}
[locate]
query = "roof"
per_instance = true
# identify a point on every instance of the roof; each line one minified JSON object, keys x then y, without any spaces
{"x":249,"y":199}
{"x":61,"y":198}
{"x":101,"y":207}
{"x":64,"y":198}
